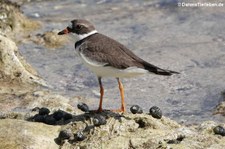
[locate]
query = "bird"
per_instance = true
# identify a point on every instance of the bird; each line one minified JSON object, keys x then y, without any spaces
{"x":107,"y":57}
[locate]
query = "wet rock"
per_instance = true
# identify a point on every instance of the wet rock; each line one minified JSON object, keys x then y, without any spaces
{"x":155,"y":112}
{"x":39,"y":118}
{"x":66,"y":134}
{"x":99,"y":120}
{"x":219,"y":130}
{"x":50,"y":120}
{"x":83,"y":107}
{"x":67,"y":116}
{"x":135,"y":109}
{"x":44,"y":111}
{"x":58,"y":115}
{"x":80,"y":136}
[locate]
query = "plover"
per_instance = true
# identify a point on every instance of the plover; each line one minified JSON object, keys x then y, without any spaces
{"x":108,"y":58}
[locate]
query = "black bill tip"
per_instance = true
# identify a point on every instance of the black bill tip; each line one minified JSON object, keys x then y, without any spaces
{"x":65,"y":31}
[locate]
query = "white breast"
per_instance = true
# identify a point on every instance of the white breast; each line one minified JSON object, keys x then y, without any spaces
{"x":107,"y":71}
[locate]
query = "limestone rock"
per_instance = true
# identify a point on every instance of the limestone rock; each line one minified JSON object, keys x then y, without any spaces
{"x":22,"y":134}
{"x":14,"y":71}
{"x":220,"y":108}
{"x":142,"y":131}
{"x":12,"y":21}
{"x":50,"y":39}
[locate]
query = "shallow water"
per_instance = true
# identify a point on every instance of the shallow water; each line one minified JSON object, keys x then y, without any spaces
{"x":188,"y":40}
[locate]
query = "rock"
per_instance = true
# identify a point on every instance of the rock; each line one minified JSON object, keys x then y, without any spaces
{"x":59,"y":117}
{"x":39,"y":118}
{"x":59,"y":114}
{"x":135,"y":109}
{"x":67,"y":116}
{"x":99,"y":120}
{"x":219,"y":130}
{"x":83,"y":107}
{"x":50,"y":120}
{"x":15,"y":72}
{"x":50,"y":39}
{"x":23,"y":134}
{"x":220,"y":108}
{"x":35,"y":109}
{"x":140,"y":131}
{"x":79,"y":136}
{"x":155,"y":112}
{"x":13,"y":21}
{"x":66,"y":134}
{"x":44,"y":111}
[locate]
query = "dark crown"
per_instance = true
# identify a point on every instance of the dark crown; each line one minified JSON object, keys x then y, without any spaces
{"x":80,"y":27}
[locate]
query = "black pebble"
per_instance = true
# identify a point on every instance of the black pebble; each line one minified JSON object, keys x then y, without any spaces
{"x":83,"y":107}
{"x":67,"y":116}
{"x":219,"y":130}
{"x":39,"y":118}
{"x":155,"y":112}
{"x":58,"y":115}
{"x":80,"y":136}
{"x":50,"y":120}
{"x":135,"y":109}
{"x":99,"y":120}
{"x":44,"y":111}
{"x":65,"y":134}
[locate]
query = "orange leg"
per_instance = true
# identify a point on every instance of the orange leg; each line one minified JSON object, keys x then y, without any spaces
{"x":101,"y":94}
{"x":123,"y":109}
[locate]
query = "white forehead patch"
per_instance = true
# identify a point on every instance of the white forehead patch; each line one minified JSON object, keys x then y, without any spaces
{"x":70,"y":25}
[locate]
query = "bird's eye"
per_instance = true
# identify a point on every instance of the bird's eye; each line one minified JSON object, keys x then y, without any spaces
{"x":79,"y":26}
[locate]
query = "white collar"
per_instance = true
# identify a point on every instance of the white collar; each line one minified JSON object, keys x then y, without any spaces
{"x":86,"y":35}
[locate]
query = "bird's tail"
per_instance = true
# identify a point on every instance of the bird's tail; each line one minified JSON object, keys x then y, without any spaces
{"x":156,"y":70}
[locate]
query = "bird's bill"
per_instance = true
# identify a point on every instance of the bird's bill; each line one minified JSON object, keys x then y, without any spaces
{"x":65,"y":31}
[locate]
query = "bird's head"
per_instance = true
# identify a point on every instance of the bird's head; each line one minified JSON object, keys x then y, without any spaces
{"x":82,"y":28}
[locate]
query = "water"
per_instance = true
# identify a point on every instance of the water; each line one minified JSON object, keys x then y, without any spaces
{"x":188,"y":40}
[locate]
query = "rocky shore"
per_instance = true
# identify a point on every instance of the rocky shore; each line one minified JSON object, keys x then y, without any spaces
{"x":33,"y":116}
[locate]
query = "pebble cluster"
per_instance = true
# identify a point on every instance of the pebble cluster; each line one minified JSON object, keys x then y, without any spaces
{"x":96,"y":120}
{"x":153,"y":111}
{"x":44,"y":116}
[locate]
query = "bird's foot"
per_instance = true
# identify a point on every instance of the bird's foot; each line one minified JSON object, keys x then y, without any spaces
{"x":104,"y":110}
{"x":122,"y":110}
{"x":99,"y":110}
